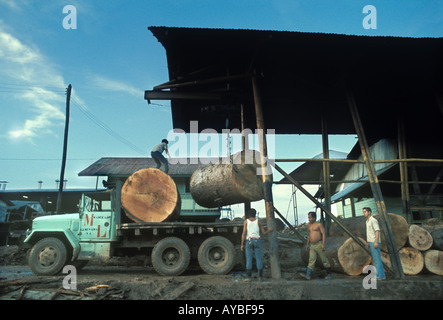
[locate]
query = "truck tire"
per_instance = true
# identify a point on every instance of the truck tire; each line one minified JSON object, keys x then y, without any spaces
{"x":47,"y":257}
{"x":216,"y":255}
{"x":171,"y":256}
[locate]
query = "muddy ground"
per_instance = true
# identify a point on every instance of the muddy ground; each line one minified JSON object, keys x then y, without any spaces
{"x":132,"y":279}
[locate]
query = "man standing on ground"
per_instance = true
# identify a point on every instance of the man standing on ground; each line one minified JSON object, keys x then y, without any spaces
{"x":373,"y":239}
{"x":316,"y":246}
{"x":251,"y":240}
{"x":156,"y":154}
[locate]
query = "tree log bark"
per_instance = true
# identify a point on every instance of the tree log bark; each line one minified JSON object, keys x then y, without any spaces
{"x":346,"y":256}
{"x":357,"y":225}
{"x":437,"y":236}
{"x":217,"y":185}
{"x":150,"y":195}
{"x":435,"y":227}
{"x":434,"y":261}
{"x":412,"y":260}
{"x":419,"y":238}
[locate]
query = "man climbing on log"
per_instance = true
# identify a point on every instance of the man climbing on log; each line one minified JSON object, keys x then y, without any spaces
{"x":316,"y":246}
{"x":159,"y":159}
{"x":373,"y":240}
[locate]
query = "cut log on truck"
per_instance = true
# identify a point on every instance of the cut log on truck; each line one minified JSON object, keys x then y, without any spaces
{"x":150,"y":195}
{"x":346,"y":256}
{"x":357,"y":225}
{"x":419,"y":238}
{"x":412,"y":260}
{"x":434,"y":261}
{"x":216,"y":185}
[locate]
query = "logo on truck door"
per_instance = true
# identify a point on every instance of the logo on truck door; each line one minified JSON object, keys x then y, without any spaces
{"x":96,"y":225}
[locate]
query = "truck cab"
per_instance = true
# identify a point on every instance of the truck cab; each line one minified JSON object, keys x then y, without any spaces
{"x":72,"y":238}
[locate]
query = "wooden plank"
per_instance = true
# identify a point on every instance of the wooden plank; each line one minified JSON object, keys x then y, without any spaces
{"x":180,"y":290}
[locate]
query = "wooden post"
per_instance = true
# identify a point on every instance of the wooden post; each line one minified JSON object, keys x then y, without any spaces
{"x":267,"y":182}
{"x":245,"y":146}
{"x":65,"y":147}
{"x":403,"y":169}
{"x":375,"y":186}
{"x":326,"y":171}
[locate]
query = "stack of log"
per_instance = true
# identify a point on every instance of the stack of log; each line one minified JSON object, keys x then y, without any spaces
{"x":420,"y":247}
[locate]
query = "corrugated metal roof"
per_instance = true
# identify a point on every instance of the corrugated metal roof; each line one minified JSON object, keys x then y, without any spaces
{"x":300,"y":79}
{"x":124,"y":167}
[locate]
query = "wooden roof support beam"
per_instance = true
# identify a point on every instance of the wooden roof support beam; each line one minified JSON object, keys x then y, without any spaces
{"x":169,"y":95}
{"x":267,"y":182}
{"x":375,"y":186}
{"x":200,"y":82}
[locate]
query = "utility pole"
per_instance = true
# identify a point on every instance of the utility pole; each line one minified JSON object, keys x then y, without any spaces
{"x":65,"y":146}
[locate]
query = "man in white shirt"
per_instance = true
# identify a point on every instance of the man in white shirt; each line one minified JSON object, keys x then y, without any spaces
{"x":373,"y":239}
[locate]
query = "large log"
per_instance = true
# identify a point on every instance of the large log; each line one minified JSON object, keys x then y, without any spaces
{"x":419,"y":238}
{"x":357,"y":225}
{"x":217,"y":185}
{"x":437,"y":236}
{"x":150,"y":195}
{"x":412,"y":260}
{"x":346,"y":256}
{"x":434,"y":261}
{"x":435,"y":227}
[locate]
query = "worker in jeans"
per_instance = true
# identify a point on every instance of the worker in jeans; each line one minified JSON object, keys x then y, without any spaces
{"x":159,"y":159}
{"x":373,"y":240}
{"x":251,"y":234}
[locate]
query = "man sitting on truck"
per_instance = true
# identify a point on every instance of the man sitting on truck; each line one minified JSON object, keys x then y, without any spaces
{"x":156,"y":154}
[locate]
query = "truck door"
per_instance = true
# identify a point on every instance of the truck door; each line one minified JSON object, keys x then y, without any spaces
{"x":94,"y":224}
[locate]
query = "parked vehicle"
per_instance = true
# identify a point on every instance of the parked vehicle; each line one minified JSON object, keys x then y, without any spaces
{"x":98,"y":231}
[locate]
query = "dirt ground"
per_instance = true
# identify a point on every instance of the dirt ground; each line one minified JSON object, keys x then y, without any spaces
{"x":132,"y":279}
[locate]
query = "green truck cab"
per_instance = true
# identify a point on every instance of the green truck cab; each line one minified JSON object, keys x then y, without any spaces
{"x":97,"y":232}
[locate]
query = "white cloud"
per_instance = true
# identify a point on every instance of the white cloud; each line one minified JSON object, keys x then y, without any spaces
{"x":34,"y":83}
{"x":113,"y":85}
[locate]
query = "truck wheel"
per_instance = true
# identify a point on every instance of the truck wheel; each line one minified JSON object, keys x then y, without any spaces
{"x":47,"y":257}
{"x":216,"y":255}
{"x":171,"y":256}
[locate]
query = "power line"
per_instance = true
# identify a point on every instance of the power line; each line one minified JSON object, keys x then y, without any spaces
{"x":104,"y":126}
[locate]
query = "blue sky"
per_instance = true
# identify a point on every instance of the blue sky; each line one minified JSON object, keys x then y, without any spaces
{"x":111,"y":58}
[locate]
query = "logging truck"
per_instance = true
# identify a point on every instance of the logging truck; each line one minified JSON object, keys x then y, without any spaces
{"x":100,"y":230}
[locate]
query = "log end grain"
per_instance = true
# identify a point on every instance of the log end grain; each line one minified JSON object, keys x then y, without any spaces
{"x":412,"y":260}
{"x":353,"y":258}
{"x":419,"y":238}
{"x":150,"y":195}
{"x":434,"y":261}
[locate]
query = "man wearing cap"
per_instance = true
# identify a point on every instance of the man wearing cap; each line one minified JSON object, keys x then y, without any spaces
{"x":156,"y":154}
